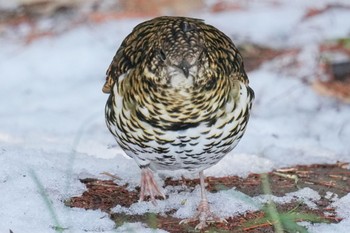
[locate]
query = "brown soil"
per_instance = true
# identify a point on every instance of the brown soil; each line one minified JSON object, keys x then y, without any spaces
{"x":335,"y":178}
{"x":334,"y":80}
{"x":255,"y":55}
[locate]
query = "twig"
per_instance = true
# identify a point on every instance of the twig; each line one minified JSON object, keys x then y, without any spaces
{"x":258,"y":226}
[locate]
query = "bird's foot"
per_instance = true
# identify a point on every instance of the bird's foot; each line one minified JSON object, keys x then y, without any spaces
{"x":204,"y":215}
{"x":149,"y":186}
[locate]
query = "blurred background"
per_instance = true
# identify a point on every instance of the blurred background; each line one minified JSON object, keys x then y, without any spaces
{"x":27,"y":20}
{"x":54,"y":53}
{"x":53,"y":59}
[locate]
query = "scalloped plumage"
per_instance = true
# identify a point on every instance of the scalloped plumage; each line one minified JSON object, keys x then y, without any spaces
{"x":178,"y":98}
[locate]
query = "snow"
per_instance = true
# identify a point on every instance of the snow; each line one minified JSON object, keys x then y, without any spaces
{"x":135,"y":227}
{"x":305,"y":195}
{"x":187,"y":202}
{"x":52,"y":120}
{"x":225,"y":203}
{"x":343,"y":211}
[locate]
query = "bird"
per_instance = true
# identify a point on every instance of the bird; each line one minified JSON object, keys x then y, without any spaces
{"x":179,"y":99}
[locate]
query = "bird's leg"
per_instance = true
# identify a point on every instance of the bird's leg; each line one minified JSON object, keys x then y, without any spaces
{"x":149,"y":186}
{"x":203,"y":214}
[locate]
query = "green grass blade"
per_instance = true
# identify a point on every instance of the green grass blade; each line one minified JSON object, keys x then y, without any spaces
{"x":57,"y":226}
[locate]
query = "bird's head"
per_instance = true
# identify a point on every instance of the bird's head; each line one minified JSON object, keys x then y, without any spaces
{"x":174,"y":68}
{"x":176,"y":55}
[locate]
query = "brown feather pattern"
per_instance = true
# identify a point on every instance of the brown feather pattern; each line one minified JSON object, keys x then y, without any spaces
{"x":178,"y":94}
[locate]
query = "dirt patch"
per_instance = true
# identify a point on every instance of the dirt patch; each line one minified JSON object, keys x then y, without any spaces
{"x":334,"y":77}
{"x":249,"y":222}
{"x":334,"y":178}
{"x":321,"y":177}
{"x":104,"y":195}
{"x":255,"y":55}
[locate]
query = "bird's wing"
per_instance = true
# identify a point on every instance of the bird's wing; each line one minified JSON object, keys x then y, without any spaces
{"x":122,"y":62}
{"x":128,"y":56}
{"x":134,"y":49}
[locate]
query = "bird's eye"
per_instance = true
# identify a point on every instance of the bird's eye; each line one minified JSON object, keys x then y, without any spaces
{"x":211,"y":84}
{"x":162,"y":55}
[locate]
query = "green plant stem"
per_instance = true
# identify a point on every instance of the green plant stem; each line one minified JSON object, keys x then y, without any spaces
{"x":271,"y":207}
{"x":47,"y":201}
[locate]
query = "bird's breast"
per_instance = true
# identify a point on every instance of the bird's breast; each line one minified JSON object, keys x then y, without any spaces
{"x":180,"y":79}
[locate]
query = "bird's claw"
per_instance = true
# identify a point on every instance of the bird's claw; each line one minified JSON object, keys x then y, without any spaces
{"x":204,"y":215}
{"x":149,"y":186}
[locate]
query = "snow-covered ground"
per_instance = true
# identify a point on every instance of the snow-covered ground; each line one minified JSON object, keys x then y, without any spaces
{"x":52,"y":128}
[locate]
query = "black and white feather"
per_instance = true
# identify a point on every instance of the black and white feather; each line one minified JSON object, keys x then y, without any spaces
{"x":178,"y":95}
